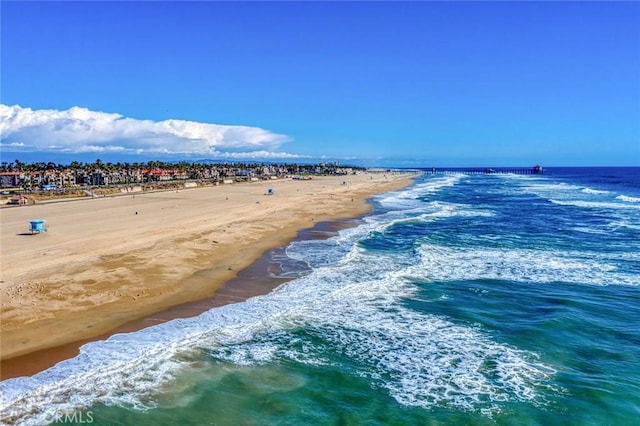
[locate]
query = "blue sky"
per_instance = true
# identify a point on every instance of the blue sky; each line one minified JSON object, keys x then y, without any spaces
{"x":393,"y":83}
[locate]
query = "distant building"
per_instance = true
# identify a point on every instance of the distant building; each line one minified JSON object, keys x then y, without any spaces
{"x":10,"y":179}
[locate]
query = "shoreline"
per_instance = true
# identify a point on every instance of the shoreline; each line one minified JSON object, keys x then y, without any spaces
{"x":188,"y":297}
{"x":255,"y":280}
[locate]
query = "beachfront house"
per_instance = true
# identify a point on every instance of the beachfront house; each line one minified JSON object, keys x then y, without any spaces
{"x":243,"y":174}
{"x":98,"y":177}
{"x":159,"y":175}
{"x":10,"y":179}
{"x":59,"y":178}
{"x":33,"y":179}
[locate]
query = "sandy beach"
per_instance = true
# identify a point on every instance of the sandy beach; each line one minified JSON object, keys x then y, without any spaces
{"x":108,"y":261}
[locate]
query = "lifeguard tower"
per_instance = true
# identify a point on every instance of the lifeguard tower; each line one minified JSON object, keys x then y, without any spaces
{"x":37,"y":226}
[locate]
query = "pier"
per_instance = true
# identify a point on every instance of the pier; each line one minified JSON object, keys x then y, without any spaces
{"x":537,"y":170}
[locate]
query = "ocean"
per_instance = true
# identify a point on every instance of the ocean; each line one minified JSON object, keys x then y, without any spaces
{"x":473,"y":299}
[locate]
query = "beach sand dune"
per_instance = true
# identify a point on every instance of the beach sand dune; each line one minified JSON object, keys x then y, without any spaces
{"x":108,"y":261}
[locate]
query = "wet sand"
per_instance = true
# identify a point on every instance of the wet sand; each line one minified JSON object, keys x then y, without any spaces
{"x":259,"y":278}
{"x":218,"y":284}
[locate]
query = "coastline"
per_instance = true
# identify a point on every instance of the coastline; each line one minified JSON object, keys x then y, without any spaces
{"x":208,"y":255}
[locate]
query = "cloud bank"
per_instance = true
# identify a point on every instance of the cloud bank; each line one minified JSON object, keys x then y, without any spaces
{"x":80,"y":130}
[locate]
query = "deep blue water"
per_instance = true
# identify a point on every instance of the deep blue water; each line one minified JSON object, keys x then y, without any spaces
{"x":463,"y":299}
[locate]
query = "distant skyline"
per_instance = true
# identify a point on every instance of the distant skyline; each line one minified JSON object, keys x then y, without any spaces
{"x":369,"y":83}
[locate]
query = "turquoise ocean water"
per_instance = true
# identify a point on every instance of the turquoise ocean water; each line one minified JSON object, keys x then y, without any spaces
{"x":463,"y":299}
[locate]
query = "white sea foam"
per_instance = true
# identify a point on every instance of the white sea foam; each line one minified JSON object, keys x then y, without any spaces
{"x":624,"y":224}
{"x":407,"y":198}
{"x":422,"y":360}
{"x":537,"y":266}
{"x":426,"y":212}
{"x":604,"y":205}
{"x":565,"y":194}
{"x":595,"y":191}
{"x":321,"y":253}
{"x":545,"y":188}
{"x":587,"y":230}
{"x":628,"y":199}
{"x":353,"y":305}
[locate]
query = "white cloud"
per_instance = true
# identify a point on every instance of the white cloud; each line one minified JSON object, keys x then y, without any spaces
{"x":258,"y":154}
{"x":80,"y":130}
